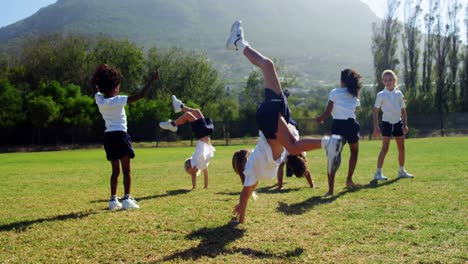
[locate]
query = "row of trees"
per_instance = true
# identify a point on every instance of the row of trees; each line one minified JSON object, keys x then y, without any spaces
{"x":437,"y":82}
{"x":45,"y":81}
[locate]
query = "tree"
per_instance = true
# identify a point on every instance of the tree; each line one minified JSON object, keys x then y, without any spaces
{"x":42,"y":111}
{"x":429,"y":20}
{"x":190,"y":75}
{"x":464,"y":71}
{"x":453,"y":56}
{"x":385,"y":43}
{"x":52,"y":57}
{"x":410,"y":43}
{"x":441,"y":51}
{"x":125,"y":56}
{"x":11,"y":112}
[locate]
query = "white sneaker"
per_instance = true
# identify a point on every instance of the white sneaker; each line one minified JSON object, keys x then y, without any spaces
{"x":237,"y":33}
{"x":378,"y":176}
{"x":129,"y":203}
{"x":176,"y":104}
{"x":114,"y":204}
{"x":404,"y":174}
{"x":168,"y":126}
{"x":333,"y":149}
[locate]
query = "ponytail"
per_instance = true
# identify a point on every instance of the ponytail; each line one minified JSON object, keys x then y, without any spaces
{"x":352,"y":81}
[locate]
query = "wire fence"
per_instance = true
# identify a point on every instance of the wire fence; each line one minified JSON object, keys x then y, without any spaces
{"x":421,"y":125}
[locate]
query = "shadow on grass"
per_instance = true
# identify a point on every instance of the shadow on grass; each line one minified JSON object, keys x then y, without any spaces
{"x":266,"y":189}
{"x":168,"y":193}
{"x":274,"y":189}
{"x":304,"y":206}
{"x":215,"y":240}
{"x":23,"y":225}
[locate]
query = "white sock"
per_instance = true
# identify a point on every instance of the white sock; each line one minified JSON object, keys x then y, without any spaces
{"x":126,"y":196}
{"x":242,"y":44}
{"x":401,"y":169}
{"x":379,"y":170}
{"x":112,"y":197}
{"x":325,"y":140}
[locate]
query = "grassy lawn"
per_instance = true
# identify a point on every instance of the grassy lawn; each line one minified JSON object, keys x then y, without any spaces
{"x":54,"y":210}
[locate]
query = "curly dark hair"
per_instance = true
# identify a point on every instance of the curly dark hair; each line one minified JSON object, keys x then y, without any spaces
{"x":239,"y":159}
{"x":297,"y":164}
{"x":106,"y":78}
{"x":352,"y":80}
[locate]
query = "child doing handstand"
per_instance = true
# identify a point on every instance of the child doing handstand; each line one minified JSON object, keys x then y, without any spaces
{"x":272,"y":117}
{"x":202,"y":128}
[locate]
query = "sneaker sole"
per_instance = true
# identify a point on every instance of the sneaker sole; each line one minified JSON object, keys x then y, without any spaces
{"x":337,"y":160}
{"x":234,"y":27}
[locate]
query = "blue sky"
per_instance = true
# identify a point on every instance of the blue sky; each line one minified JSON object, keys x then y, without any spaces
{"x":15,"y":10}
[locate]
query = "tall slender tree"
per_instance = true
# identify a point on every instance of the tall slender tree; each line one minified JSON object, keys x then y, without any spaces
{"x":453,"y":55}
{"x":464,"y":71}
{"x":442,"y":47}
{"x":410,"y":43}
{"x":385,"y":42}
{"x":429,"y":20}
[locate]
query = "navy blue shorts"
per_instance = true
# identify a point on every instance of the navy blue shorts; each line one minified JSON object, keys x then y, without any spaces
{"x":202,"y":127}
{"x":389,"y":130}
{"x":267,"y":113}
{"x":349,"y":129}
{"x":117,"y":145}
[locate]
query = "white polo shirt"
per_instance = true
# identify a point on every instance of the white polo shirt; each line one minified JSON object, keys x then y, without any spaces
{"x":391,"y":103}
{"x":113,"y":111}
{"x":260,"y":164}
{"x":344,"y":103}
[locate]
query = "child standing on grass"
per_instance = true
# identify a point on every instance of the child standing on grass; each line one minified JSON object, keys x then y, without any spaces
{"x":394,"y":123}
{"x":342,"y":105}
{"x":202,"y":128}
{"x":105,"y":84}
{"x":272,"y":117}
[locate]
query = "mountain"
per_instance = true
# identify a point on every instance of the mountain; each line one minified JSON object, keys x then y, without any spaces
{"x":313,"y":38}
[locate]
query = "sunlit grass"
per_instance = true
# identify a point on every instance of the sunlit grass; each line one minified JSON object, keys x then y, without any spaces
{"x":54,"y":210}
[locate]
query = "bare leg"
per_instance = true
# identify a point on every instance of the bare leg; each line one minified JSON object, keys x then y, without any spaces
{"x":280,"y":175}
{"x":114,"y":176}
{"x":383,"y":151}
{"x":205,"y":175}
{"x":354,"y":149}
{"x":284,"y":138}
{"x":267,"y":66}
{"x":125,"y":161}
{"x":401,"y":150}
{"x":331,"y":183}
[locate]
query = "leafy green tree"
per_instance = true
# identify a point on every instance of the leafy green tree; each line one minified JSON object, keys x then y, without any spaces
{"x":385,"y":43}
{"x":78,"y":110}
{"x":11,"y":112}
{"x":410,"y":44}
{"x":42,"y":110}
{"x":53,"y":57}
{"x":126,"y":56}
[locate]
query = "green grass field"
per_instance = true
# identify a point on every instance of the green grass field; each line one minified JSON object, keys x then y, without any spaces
{"x":54,"y":210}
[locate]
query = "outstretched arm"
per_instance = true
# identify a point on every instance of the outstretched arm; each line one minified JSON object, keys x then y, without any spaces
{"x":239,"y":210}
{"x":325,"y":114}
{"x":145,"y":91}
